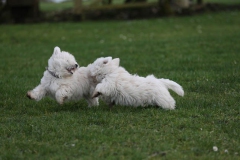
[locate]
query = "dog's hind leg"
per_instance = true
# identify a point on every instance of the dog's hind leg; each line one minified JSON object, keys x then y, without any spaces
{"x":62,"y":95}
{"x":166,"y":102}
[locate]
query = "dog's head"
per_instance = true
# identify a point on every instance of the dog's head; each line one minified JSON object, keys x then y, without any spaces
{"x":61,"y":63}
{"x":103,"y":66}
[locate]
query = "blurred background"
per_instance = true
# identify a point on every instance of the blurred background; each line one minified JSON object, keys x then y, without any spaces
{"x":25,"y":11}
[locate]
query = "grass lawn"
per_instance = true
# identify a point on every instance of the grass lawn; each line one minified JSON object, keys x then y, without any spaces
{"x":201,"y":53}
{"x":49,"y":6}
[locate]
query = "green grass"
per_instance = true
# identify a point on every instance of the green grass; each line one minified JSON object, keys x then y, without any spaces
{"x":201,"y":53}
{"x":49,"y":6}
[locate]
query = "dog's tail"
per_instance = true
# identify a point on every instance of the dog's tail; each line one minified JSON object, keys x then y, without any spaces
{"x":173,"y":86}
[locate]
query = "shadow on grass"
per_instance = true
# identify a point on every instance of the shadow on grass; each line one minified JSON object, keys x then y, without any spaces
{"x":81,"y":106}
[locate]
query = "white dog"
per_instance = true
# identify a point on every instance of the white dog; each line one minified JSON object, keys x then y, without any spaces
{"x":117,"y":86}
{"x":63,"y":80}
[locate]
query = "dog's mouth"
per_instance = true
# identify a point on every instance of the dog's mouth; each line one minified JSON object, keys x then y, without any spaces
{"x":71,"y":70}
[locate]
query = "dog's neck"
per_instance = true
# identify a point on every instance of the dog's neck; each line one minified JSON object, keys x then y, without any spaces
{"x":52,"y":73}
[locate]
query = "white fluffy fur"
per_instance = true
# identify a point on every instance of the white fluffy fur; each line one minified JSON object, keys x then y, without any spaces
{"x":64,"y":80}
{"x":117,"y":86}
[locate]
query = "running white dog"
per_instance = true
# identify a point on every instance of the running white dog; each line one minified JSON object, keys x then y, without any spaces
{"x":117,"y":86}
{"x":63,"y":80}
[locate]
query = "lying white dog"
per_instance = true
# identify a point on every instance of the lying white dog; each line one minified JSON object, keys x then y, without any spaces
{"x":63,"y":80}
{"x":117,"y":86}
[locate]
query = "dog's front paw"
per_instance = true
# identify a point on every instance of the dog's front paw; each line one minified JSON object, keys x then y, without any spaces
{"x":61,"y":100}
{"x":96,"y":94}
{"x":29,"y":95}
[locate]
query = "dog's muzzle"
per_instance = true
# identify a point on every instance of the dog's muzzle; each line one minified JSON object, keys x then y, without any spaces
{"x":72,"y":69}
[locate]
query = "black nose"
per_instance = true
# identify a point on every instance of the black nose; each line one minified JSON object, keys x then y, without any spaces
{"x":76,"y":65}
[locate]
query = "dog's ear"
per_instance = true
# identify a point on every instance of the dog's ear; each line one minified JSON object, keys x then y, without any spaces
{"x":106,"y":60}
{"x":56,"y":50}
{"x":116,"y":61}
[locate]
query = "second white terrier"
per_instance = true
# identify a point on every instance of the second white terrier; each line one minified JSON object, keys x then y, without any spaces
{"x":63,"y":80}
{"x":117,"y":86}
